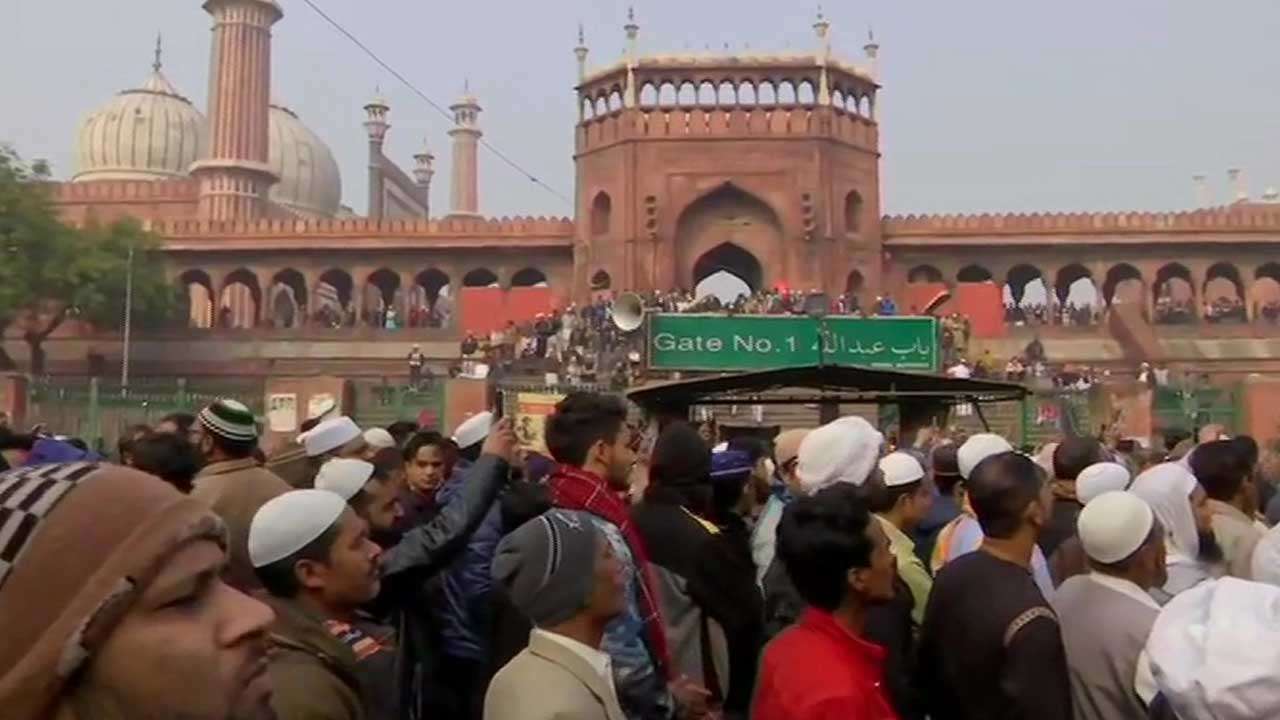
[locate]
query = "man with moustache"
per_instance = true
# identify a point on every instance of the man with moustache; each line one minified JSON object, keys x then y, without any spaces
{"x":112,"y":602}
{"x":314,"y":556}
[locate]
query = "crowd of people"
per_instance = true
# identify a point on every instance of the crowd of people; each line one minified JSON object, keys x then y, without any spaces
{"x":637,"y":571}
{"x":580,"y":344}
{"x":1067,"y":314}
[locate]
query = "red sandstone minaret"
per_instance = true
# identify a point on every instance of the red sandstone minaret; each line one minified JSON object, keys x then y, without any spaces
{"x":234,"y":175}
{"x":464,"y":193}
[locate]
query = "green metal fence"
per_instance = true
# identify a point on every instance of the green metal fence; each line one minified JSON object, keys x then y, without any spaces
{"x":380,"y":403}
{"x":1191,"y":408}
{"x":100,"y":412}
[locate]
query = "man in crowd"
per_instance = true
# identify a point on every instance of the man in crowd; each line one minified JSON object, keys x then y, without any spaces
{"x":842,"y":452}
{"x":464,"y":620}
{"x":786,"y":485}
{"x":170,"y":457}
{"x":964,"y":534}
{"x":823,"y":667}
{"x":1227,"y":479}
{"x":178,"y":423}
{"x":900,"y":505}
{"x":991,"y":646}
{"x":231,"y":482}
{"x":945,"y":478}
{"x":337,"y":437}
{"x":315,"y":558}
{"x":1107,"y":614}
{"x":561,"y":573}
{"x":372,"y":495}
{"x":137,"y":563}
{"x":377,"y":439}
{"x":1072,"y":456}
{"x":1192,"y":554}
{"x":416,"y":361}
{"x":588,"y":435}
{"x":1069,"y":559}
{"x":710,"y":603}
{"x":429,"y":458}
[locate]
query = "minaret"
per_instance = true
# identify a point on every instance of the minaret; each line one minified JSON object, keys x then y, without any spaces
{"x":581,"y":53}
{"x":234,"y":176}
{"x":872,"y":49}
{"x":464,"y":194}
{"x":822,"y":29}
{"x":377,"y":127}
{"x":633,"y":31}
{"x":423,"y":170}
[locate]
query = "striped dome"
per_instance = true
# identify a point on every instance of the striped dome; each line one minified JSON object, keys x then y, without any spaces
{"x":310,"y":184}
{"x":147,"y":133}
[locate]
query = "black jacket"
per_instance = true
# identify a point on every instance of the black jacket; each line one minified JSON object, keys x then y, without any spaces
{"x":410,"y":588}
{"x":712,"y":568}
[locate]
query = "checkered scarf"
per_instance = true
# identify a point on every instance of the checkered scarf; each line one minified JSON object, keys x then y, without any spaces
{"x":576,"y":489}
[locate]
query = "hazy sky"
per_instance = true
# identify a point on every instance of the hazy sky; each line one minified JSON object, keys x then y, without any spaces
{"x":988,"y":105}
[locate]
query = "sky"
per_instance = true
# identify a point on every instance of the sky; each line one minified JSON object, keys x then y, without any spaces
{"x":988,"y":105}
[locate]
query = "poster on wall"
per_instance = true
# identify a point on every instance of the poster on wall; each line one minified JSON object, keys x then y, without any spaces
{"x":320,"y":404}
{"x":282,"y":412}
{"x":532,"y":410}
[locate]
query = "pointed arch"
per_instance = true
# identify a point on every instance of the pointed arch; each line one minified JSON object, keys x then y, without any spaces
{"x":529,"y":277}
{"x":648,"y":95}
{"x":726,"y":216}
{"x":601,"y":213}
{"x":241,"y":301}
{"x":853,"y":210}
{"x":1123,"y":284}
{"x":480,"y":277}
{"x":974,"y":274}
{"x":200,"y":300}
{"x":715,"y":270}
{"x":287,"y":299}
{"x":925,"y":274}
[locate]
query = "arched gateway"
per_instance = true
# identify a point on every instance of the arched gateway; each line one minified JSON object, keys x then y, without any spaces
{"x":728,"y":231}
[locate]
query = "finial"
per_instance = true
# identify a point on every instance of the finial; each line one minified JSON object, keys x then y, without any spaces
{"x":871,"y":37}
{"x":631,"y":14}
{"x":157,"y":64}
{"x":582,"y":36}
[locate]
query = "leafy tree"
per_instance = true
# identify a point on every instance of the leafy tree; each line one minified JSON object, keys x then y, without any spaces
{"x":51,"y":271}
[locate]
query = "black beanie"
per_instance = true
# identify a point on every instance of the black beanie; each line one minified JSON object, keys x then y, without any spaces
{"x":680,"y":458}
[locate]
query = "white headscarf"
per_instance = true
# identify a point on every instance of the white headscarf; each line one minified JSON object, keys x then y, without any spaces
{"x":844,"y":450}
{"x":1215,"y":651}
{"x":1167,"y":488}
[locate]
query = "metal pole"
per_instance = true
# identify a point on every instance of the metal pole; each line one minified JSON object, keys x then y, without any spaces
{"x":128,"y":324}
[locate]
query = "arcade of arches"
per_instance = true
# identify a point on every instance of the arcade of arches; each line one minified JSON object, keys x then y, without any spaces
{"x":1165,"y":292}
{"x":383,"y":298}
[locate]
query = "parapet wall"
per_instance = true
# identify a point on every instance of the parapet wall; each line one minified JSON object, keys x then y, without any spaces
{"x":1250,"y":218}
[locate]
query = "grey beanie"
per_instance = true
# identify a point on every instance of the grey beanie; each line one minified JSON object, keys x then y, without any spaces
{"x":547,"y":566}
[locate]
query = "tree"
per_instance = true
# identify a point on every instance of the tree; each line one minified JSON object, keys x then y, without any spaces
{"x":51,"y":271}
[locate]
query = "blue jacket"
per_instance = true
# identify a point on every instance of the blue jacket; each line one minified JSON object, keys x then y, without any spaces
{"x":464,"y":618}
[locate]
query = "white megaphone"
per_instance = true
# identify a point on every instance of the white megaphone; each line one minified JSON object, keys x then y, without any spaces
{"x":627,"y":312}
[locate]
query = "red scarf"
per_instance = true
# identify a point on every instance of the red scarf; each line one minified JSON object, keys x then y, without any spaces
{"x":577,"y":489}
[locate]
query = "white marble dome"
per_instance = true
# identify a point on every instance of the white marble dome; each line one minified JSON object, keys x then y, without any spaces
{"x":310,"y":184}
{"x":147,"y":133}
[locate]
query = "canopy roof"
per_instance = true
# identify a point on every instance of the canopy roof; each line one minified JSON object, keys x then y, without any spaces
{"x":829,"y":383}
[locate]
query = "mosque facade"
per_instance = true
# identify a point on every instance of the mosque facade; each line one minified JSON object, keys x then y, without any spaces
{"x":764,"y":165}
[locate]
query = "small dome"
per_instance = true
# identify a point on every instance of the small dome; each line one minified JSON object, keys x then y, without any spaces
{"x":147,"y":133}
{"x":310,"y":184}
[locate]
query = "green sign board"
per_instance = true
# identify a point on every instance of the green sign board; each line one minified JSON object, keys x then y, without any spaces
{"x":766,"y":342}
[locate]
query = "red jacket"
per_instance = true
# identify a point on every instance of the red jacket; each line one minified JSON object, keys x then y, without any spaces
{"x":818,"y":670}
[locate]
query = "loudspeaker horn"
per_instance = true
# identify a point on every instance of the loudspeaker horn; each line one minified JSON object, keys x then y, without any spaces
{"x":628,"y":312}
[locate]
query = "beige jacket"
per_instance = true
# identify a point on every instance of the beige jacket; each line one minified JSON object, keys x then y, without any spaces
{"x":548,"y":681}
{"x":1237,"y":535}
{"x":235,"y":489}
